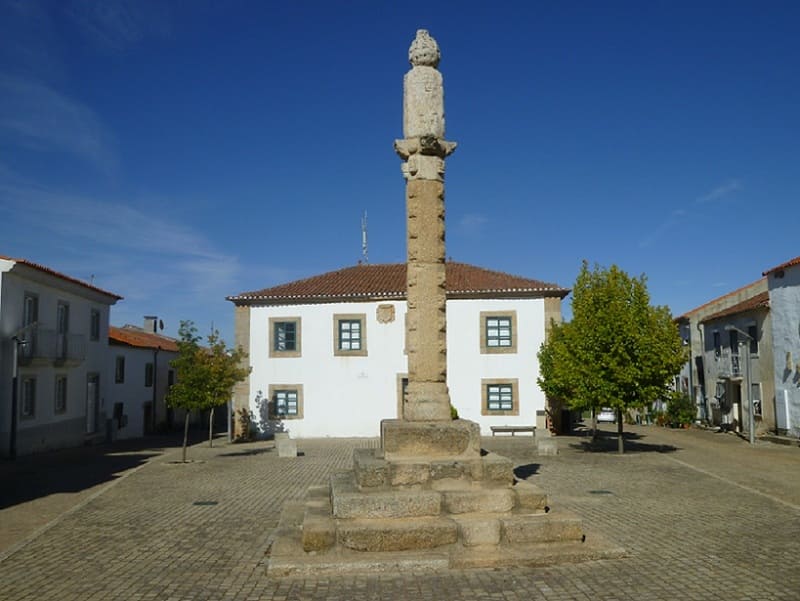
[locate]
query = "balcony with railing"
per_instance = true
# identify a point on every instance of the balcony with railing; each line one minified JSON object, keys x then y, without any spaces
{"x":48,"y":347}
{"x":729,"y":364}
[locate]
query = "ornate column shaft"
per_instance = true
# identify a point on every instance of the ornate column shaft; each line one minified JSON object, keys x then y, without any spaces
{"x":423,"y":150}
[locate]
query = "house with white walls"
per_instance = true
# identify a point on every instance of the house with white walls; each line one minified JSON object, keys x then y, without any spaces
{"x":141,"y":374}
{"x":783,"y":282}
{"x":53,"y":359}
{"x":328,"y":352}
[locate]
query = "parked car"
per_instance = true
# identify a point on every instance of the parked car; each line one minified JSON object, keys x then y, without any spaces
{"x":606,"y":414}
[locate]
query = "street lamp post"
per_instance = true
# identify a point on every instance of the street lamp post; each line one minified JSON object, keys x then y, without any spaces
{"x":750,"y":410}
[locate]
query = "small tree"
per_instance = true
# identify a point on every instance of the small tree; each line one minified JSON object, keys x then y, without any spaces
{"x":204,"y":376}
{"x":618,"y":351}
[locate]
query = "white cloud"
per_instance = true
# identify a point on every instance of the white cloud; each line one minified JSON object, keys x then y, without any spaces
{"x":118,"y":24}
{"x":720,"y":192}
{"x":675,"y":218}
{"x":35,"y":116}
{"x":472,"y":223}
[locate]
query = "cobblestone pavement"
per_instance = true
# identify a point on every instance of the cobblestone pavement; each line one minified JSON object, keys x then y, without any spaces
{"x":702,"y":515}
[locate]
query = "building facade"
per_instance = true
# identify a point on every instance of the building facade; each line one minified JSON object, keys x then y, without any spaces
{"x":53,"y":367}
{"x":328,"y":352}
{"x":784,"y":299}
{"x":139,"y":365}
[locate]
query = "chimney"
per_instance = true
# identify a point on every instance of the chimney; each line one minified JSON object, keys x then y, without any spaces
{"x":151,"y":323}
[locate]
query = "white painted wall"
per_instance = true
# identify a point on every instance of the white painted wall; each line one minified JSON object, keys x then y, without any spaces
{"x":48,"y":429}
{"x":348,"y":396}
{"x":784,"y":301}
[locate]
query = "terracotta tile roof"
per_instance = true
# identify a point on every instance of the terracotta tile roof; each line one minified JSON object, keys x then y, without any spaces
{"x":133,"y":336}
{"x":790,"y":263}
{"x":388,"y":280}
{"x":67,"y":278}
{"x":718,"y":299}
{"x":759,"y":301}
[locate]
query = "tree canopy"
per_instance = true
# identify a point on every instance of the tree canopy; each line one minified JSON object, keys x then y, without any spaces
{"x":618,"y":351}
{"x":205,"y":375}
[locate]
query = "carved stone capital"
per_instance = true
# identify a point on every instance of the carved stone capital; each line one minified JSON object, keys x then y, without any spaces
{"x":425,"y":145}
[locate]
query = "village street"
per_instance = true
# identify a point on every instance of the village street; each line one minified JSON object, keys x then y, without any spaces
{"x":701,"y":516}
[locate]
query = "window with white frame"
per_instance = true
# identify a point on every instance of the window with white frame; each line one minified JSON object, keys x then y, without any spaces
{"x":27,"y":407}
{"x":119,"y":369}
{"x":498,"y":331}
{"x":284,"y":337}
{"x":30,"y":309}
{"x":94,"y":325}
{"x":286,"y":401}
{"x":61,"y":394}
{"x":350,"y":334}
{"x":500,"y":397}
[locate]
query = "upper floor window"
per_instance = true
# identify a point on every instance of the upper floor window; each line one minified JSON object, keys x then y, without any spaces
{"x":119,"y":370}
{"x":498,"y":332}
{"x":30,"y":309}
{"x":350,"y":335}
{"x":27,"y":407}
{"x":752,"y":331}
{"x":171,"y":377}
{"x":148,"y":374}
{"x":61,"y":394}
{"x":717,"y":343}
{"x":94,"y":324}
{"x":733,"y":339}
{"x":284,"y":335}
{"x":62,"y":318}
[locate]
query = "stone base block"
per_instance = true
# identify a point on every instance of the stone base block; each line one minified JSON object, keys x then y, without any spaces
{"x":529,"y":497}
{"x":478,"y":530}
{"x":350,"y":502}
{"x":488,"y":500}
{"x":433,"y":441}
{"x":497,"y":469}
{"x":546,"y":446}
{"x":541,"y":528}
{"x":285,"y":445}
{"x":397,"y":534}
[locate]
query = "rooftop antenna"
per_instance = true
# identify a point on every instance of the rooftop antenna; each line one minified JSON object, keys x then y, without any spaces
{"x":364,"y":248}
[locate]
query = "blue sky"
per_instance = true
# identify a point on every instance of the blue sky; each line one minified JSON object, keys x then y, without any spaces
{"x":179,"y":152}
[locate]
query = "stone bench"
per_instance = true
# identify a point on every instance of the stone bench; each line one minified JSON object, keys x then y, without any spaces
{"x":512,"y":429}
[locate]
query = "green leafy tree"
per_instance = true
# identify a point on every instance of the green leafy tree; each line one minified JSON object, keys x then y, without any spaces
{"x":205,"y":376}
{"x":618,"y":351}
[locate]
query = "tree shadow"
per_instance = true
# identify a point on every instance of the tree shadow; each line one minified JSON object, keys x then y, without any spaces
{"x":268,"y":424}
{"x":76,"y":469}
{"x":246,"y":452}
{"x":522,"y":472}
{"x":606,"y":442}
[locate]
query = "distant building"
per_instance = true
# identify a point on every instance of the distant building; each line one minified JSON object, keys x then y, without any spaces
{"x":57,"y":327}
{"x":328,"y":352}
{"x":784,"y":299}
{"x":140,"y":366}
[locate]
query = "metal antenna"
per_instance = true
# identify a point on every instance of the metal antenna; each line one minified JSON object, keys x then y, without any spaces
{"x":364,"y":247}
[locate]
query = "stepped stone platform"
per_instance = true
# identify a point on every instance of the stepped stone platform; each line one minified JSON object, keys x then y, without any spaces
{"x":455,"y":506}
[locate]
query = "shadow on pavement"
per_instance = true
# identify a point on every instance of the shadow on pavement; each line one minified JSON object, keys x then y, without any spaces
{"x":522,"y":472}
{"x":246,"y":452}
{"x":73,"y":470}
{"x":606,"y":442}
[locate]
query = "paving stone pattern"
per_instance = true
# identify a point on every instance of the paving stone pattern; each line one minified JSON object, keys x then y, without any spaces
{"x":703,"y":516}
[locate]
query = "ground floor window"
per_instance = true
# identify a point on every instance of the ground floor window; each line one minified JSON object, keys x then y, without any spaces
{"x":286,"y":401}
{"x":27,"y":406}
{"x":500,"y":397}
{"x":61,"y":394}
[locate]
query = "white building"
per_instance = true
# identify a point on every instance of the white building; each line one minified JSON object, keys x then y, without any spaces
{"x":327,"y":352}
{"x":784,"y":299}
{"x":141,"y":376}
{"x":57,"y":329}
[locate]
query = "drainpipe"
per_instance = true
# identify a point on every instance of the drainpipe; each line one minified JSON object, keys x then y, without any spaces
{"x":155,"y":387}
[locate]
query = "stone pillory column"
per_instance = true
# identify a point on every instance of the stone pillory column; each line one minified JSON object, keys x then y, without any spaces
{"x":423,"y":151}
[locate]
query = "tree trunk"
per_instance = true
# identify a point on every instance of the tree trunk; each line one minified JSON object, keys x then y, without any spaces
{"x":594,"y":425}
{"x":620,"y":439}
{"x":211,"y":428}
{"x":185,"y":435}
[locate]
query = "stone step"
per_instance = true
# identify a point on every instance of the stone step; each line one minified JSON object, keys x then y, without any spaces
{"x":401,"y":534}
{"x":529,"y":497}
{"x":487,"y":500}
{"x":349,"y":502}
{"x":319,"y":528}
{"x":554,"y":526}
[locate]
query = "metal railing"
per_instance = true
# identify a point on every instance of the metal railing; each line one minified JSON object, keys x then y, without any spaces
{"x":44,"y":346}
{"x":729,"y":364}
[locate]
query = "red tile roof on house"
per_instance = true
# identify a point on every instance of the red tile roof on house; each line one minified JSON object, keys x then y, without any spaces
{"x":790,"y":263}
{"x":388,"y":281}
{"x":67,"y":278}
{"x":716,"y":300}
{"x":133,"y":336}
{"x":759,"y":301}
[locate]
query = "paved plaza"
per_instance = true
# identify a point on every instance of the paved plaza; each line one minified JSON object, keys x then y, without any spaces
{"x":701,"y":515}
